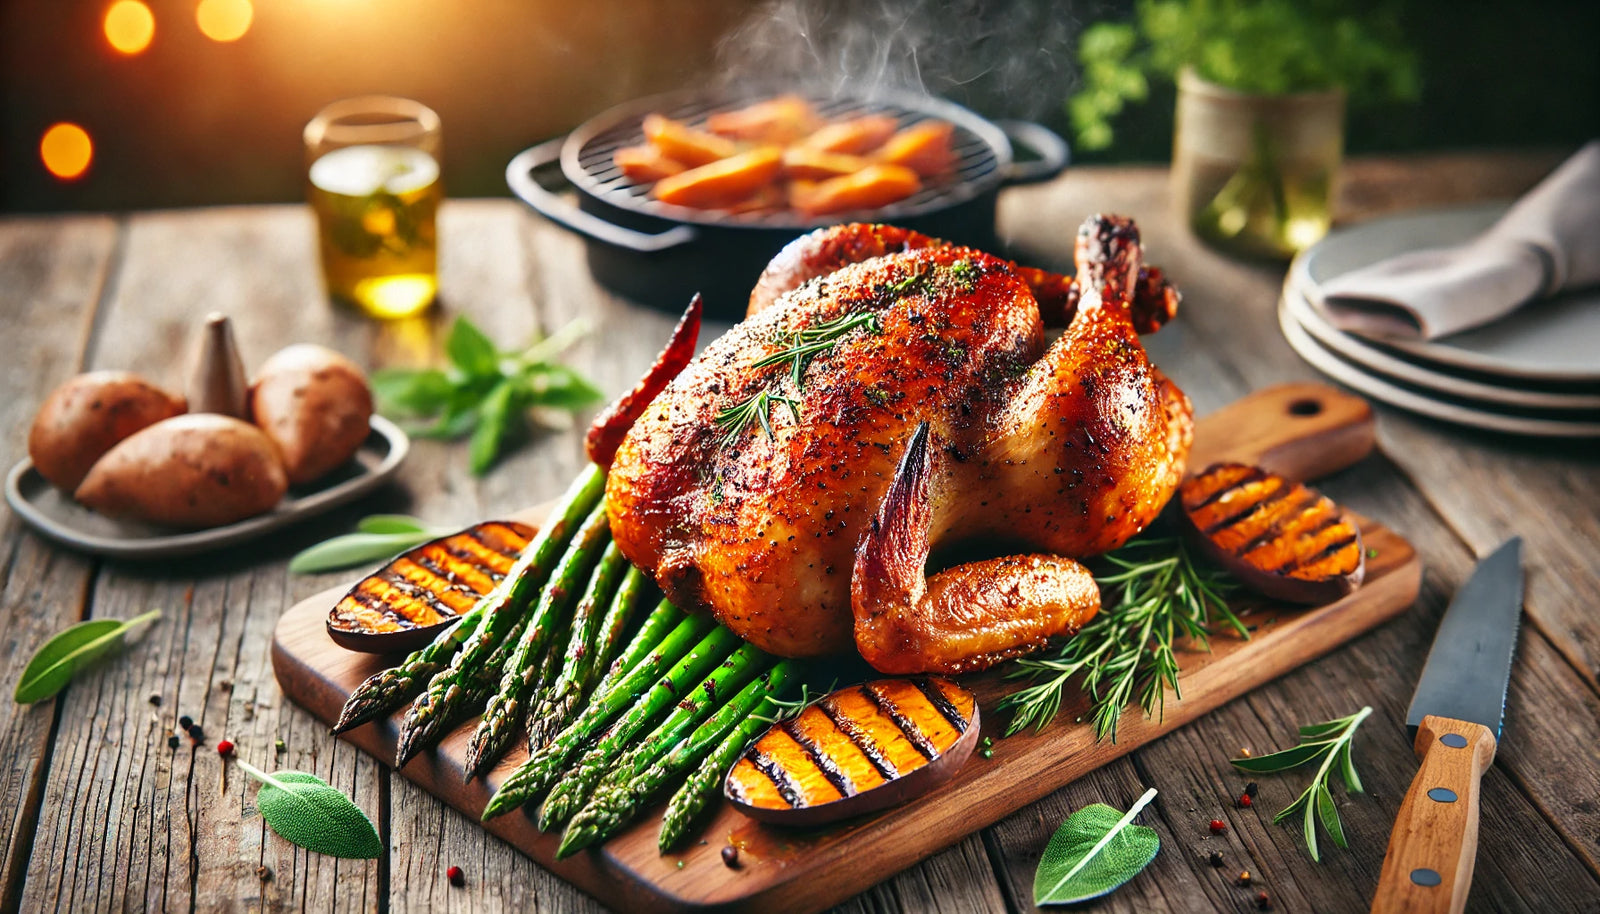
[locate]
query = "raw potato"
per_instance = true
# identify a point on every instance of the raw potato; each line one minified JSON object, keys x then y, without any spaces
{"x":315,"y":405}
{"x":85,"y":417}
{"x":196,"y":470}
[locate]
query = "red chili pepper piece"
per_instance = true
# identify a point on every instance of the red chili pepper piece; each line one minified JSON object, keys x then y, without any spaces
{"x":606,"y":435}
{"x":1218,"y":826}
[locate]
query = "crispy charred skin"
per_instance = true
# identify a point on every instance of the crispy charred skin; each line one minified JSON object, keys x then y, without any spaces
{"x":821,"y":252}
{"x":967,"y":618}
{"x":1067,"y":452}
{"x":612,"y":425}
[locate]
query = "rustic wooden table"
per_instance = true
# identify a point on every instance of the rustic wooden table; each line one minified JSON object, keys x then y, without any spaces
{"x":99,"y":814}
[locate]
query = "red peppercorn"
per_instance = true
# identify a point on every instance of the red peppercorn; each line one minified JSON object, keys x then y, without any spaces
{"x":1244,"y":800}
{"x":225,"y":748}
{"x":456,"y":877}
{"x":1263,"y":902}
{"x":1218,"y":826}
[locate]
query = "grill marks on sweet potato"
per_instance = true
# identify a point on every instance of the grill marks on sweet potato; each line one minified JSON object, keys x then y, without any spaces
{"x":431,"y":583}
{"x":1267,"y":530}
{"x":856,"y":740}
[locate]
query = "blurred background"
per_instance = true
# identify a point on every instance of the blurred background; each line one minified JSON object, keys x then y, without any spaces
{"x":189,"y":102}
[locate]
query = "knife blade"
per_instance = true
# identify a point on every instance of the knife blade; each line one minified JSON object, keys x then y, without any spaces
{"x":1469,"y":665}
{"x":1455,"y":720}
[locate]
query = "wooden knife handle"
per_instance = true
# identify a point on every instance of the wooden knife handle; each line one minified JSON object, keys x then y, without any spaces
{"x":1302,"y":431}
{"x":1428,"y":867}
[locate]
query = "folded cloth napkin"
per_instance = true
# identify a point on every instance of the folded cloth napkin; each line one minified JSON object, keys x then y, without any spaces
{"x":1547,"y":242}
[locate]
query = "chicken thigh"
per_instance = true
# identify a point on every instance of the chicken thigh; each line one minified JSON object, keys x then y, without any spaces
{"x":891,"y":397}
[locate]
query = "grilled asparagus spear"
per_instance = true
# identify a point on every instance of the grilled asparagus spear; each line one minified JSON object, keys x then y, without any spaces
{"x":701,"y":786}
{"x":544,"y":766}
{"x":520,"y":673}
{"x":624,"y":792}
{"x":383,"y":692}
{"x":585,"y":659}
{"x":662,"y":620}
{"x":568,"y":796}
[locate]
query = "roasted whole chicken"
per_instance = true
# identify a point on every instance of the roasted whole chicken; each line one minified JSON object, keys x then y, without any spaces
{"x":888,"y":398}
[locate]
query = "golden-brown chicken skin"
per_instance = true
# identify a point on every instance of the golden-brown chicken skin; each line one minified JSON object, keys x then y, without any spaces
{"x":1066,"y":452}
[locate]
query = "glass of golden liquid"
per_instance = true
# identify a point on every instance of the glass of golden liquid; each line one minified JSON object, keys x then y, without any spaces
{"x":373,"y":170}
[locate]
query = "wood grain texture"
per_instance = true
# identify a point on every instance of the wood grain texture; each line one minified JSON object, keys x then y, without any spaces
{"x":52,"y":274}
{"x":1449,"y":492}
{"x":1434,"y":844}
{"x":807,"y":870}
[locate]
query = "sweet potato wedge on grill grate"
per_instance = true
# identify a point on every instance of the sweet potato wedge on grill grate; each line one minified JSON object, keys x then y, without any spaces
{"x":402,"y":605}
{"x":1278,"y":537}
{"x":860,"y":749}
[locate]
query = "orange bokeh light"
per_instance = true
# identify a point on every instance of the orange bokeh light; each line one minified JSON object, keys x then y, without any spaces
{"x":224,"y":20}
{"x":129,"y":25}
{"x":66,"y":150}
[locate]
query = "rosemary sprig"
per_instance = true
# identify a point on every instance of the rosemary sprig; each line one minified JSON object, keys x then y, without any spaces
{"x":788,"y":708}
{"x":1326,"y":742}
{"x":800,"y":347}
{"x":1162,"y":593}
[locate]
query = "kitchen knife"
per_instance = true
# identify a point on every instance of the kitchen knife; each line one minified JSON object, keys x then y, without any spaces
{"x":1455,"y":718}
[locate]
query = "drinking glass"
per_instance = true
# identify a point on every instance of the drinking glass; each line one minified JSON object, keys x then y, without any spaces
{"x":373,"y":181}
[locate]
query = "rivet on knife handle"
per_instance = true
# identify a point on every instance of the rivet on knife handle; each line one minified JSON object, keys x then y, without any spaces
{"x":1428,"y":867}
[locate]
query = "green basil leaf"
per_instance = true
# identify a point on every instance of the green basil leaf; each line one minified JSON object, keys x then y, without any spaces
{"x":71,"y":651}
{"x":355,"y":549}
{"x":411,"y":391}
{"x":471,"y":350}
{"x":1293,"y":757}
{"x":493,"y":417}
{"x":1096,"y":850}
{"x":559,"y":386}
{"x":391,"y":523}
{"x":305,"y":810}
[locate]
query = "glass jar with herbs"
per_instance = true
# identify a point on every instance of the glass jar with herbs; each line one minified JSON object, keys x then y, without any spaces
{"x":1262,"y":87}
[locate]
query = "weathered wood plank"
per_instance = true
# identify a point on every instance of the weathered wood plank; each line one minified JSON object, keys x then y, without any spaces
{"x":52,"y":273}
{"x":128,"y":822}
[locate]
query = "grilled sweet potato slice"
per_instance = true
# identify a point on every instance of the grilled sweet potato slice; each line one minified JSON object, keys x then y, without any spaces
{"x":780,"y":120}
{"x":644,"y":164}
{"x":923,"y":147}
{"x":860,"y":749}
{"x":682,"y":143}
{"x":1280,"y":538}
{"x":869,"y":188}
{"x":401,"y":605}
{"x":722,"y":183}
{"x":853,"y":137}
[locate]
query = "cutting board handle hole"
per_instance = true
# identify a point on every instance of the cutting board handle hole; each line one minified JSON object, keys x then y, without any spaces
{"x":1305,"y":406}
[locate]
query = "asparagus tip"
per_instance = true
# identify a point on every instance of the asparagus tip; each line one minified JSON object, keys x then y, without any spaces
{"x":575,"y":839}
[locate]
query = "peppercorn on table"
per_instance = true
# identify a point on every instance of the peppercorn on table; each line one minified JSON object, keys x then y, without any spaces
{"x":100,"y":812}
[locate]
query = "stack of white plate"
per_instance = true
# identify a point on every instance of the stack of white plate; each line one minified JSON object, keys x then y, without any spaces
{"x":1535,"y":372}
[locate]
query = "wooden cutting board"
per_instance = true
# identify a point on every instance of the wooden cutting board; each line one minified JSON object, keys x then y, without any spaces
{"x":1300,"y":430}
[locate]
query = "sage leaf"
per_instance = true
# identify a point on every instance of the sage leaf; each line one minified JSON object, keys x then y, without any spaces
{"x":70,"y":651}
{"x":1096,"y":850}
{"x":355,"y":549}
{"x":306,"y":810}
{"x":391,"y":523}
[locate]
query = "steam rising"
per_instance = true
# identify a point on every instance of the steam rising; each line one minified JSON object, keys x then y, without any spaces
{"x":1005,"y":59}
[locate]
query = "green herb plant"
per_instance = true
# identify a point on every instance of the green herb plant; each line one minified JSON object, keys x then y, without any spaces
{"x":307,"y":811}
{"x":1161,"y":593}
{"x":1261,"y":47}
{"x":484,"y":392}
{"x":378,"y":537}
{"x":1096,"y":850}
{"x":1329,"y":745}
{"x":799,"y":348}
{"x":72,"y":651}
